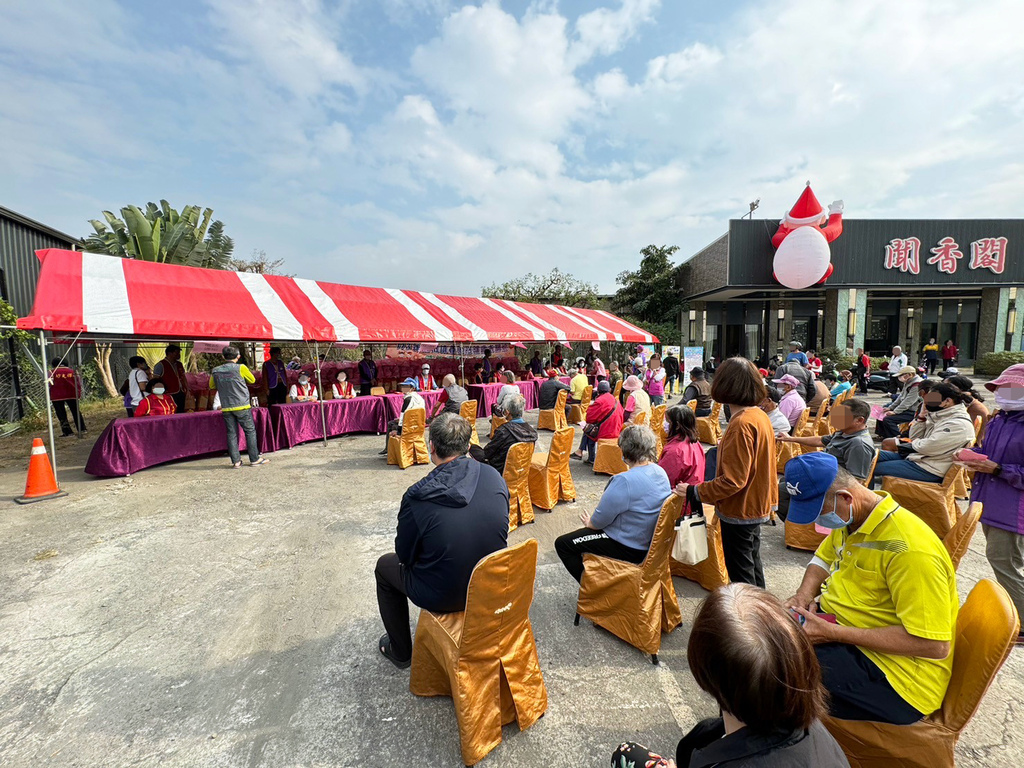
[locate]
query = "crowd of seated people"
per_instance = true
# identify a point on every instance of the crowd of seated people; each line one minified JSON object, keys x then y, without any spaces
{"x":869,"y":633}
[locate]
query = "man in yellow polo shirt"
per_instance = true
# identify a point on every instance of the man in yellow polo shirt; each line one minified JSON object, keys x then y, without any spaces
{"x":886,"y":581}
{"x":577,"y":384}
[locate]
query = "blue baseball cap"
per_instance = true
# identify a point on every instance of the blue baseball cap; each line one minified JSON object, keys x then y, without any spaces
{"x":808,"y":479}
{"x":410,"y":382}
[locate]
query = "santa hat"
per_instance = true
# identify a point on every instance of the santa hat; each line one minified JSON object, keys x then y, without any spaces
{"x":806,"y":211}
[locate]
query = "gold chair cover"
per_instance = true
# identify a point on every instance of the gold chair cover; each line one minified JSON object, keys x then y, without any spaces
{"x":550,"y":476}
{"x":986,"y":629}
{"x":410,"y":447}
{"x":554,"y":418}
{"x":468,"y":411}
{"x":485,"y":658}
{"x":578,"y":411}
{"x":709,"y":428}
{"x":608,"y":459}
{"x":517,"y":478}
{"x":935,"y":503}
{"x":635,"y":602}
{"x":959,"y":537}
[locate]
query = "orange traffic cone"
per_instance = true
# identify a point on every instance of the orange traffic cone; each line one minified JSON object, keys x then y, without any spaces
{"x":41,"y":484}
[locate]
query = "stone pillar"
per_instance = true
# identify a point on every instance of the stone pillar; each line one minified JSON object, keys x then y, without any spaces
{"x":698,"y":338}
{"x":992,"y":320}
{"x":860,"y":303}
{"x":1017,"y":301}
{"x":778,"y":339}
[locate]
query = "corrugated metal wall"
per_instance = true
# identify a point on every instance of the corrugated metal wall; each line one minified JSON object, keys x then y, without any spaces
{"x":18,"y":245}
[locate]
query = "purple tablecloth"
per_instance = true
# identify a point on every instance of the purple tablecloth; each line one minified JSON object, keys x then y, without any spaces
{"x":486,"y":395}
{"x":127,"y":446}
{"x":392,"y":403}
{"x":296,"y":423}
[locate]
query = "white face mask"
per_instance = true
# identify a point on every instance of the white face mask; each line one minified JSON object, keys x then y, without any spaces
{"x":303,"y":381}
{"x":666,"y":426}
{"x":1010,"y":398}
{"x":158,"y":390}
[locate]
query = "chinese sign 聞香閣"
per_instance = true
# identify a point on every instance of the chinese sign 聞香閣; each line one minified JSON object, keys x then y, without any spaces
{"x":904,"y":254}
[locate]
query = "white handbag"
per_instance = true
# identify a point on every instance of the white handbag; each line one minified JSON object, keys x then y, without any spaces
{"x":691,"y":544}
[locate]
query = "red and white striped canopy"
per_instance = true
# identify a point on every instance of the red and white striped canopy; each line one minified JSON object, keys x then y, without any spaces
{"x":103,"y":295}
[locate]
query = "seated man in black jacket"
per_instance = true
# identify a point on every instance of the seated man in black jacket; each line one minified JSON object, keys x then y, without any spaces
{"x":447,"y":523}
{"x":548,"y":394}
{"x":513,"y":431}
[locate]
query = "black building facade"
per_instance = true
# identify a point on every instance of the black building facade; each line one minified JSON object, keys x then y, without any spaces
{"x":895,"y":281}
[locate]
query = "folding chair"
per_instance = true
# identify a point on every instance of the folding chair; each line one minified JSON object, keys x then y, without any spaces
{"x":550,"y":476}
{"x":554,"y":418}
{"x":468,"y":411}
{"x":636,"y":603}
{"x":959,"y":537}
{"x":485,"y":657}
{"x":578,"y":411}
{"x":410,"y":447}
{"x":517,"y":478}
{"x":986,"y":629}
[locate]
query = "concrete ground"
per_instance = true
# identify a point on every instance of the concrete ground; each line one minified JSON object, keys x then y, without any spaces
{"x":196,"y":616}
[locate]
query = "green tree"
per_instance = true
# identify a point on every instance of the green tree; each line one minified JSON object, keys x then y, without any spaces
{"x":162,"y":234}
{"x":649,"y":297}
{"x":556,"y":287}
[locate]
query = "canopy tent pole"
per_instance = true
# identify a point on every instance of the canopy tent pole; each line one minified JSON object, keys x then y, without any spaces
{"x":49,"y":407}
{"x":462,"y":362}
{"x":320,"y":390}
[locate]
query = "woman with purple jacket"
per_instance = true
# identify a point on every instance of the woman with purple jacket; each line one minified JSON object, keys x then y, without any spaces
{"x":999,"y":484}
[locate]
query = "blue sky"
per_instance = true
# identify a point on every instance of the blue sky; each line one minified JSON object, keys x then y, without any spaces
{"x":444,"y":145}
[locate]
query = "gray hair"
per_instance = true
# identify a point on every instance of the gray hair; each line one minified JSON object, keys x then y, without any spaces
{"x":638,"y":442}
{"x":448,"y":380}
{"x":844,"y":481}
{"x":449,"y":434}
{"x":230,"y":352}
{"x":514,"y":406}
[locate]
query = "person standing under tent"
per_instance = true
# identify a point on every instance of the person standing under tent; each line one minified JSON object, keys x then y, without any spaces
{"x":536,"y":365}
{"x":487,"y":367}
{"x":425,"y":381}
{"x":367,"y":374}
{"x":671,"y":365}
{"x":137,"y":378}
{"x":65,"y":392}
{"x":275,"y":378}
{"x":230,"y":380}
{"x":172,"y":372}
{"x":556,"y":357}
{"x":600,"y":372}
{"x":295,"y":364}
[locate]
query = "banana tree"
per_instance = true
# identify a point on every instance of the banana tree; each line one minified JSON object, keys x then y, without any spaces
{"x":162,"y":234}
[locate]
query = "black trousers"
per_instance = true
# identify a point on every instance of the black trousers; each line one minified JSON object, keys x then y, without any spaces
{"x":890,"y":425}
{"x":62,"y":416}
{"x":364,"y":388}
{"x":862,"y":383}
{"x":393,"y":604}
{"x":858,"y":689}
{"x":393,"y":426}
{"x":931,"y":366}
{"x":179,"y":402}
{"x":741,"y":546}
{"x":570,"y":548}
{"x":278,"y":395}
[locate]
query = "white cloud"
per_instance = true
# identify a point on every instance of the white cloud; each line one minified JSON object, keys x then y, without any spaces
{"x":604,"y":31}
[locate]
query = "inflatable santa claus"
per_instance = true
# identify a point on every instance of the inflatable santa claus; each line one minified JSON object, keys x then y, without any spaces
{"x":802,"y":255}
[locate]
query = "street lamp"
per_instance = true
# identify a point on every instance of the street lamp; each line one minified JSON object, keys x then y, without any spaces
{"x":753,"y":207}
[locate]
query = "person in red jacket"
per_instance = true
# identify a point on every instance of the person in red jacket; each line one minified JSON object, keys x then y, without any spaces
{"x":156,"y":402}
{"x":949,"y":353}
{"x":606,"y":412}
{"x":65,"y":392}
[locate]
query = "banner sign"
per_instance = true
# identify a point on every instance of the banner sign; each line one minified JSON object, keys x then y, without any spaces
{"x":693,"y":357}
{"x":904,"y":254}
{"x":468,"y":351}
